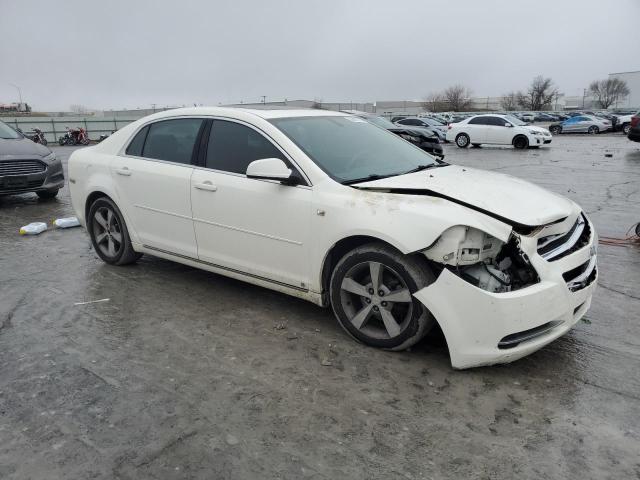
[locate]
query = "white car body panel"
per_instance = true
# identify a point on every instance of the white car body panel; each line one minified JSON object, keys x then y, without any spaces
{"x":279,"y":236}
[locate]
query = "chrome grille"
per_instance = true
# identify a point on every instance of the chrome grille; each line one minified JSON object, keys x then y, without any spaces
{"x":21,"y":167}
{"x":554,"y":247}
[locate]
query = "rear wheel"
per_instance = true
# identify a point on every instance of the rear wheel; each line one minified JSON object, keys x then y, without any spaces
{"x":109,"y":234}
{"x":593,"y":130}
{"x":555,"y":130}
{"x":463,"y":140}
{"x":520,"y":142}
{"x":371,"y":293}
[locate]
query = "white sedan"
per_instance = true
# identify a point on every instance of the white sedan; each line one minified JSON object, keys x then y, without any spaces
{"x":497,"y":130}
{"x":330,"y":208}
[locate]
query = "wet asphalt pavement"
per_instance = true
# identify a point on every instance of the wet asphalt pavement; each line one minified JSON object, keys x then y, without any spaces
{"x":186,"y":374}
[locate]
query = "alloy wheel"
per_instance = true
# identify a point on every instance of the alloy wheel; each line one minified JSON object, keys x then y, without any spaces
{"x":376,"y":300}
{"x":107,"y":232}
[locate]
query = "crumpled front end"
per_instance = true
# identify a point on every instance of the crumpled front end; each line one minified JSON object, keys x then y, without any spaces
{"x":497,"y":301}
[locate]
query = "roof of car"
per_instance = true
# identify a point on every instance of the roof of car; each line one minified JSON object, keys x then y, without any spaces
{"x":231,"y":111}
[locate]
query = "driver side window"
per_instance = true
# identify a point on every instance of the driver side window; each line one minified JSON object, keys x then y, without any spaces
{"x":232,"y":147}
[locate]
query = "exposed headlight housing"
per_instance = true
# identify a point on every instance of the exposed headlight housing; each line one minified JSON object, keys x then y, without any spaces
{"x":483,"y":260}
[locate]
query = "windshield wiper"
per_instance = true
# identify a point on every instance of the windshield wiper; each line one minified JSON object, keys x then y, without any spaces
{"x":373,"y":176}
{"x":419,"y":168}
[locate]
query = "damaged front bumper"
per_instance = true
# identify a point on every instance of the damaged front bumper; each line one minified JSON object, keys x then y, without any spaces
{"x":485,"y":328}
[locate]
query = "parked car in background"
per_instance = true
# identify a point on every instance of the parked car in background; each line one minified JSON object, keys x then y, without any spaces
{"x":426,"y":122}
{"x":581,"y":124}
{"x":545,"y":117}
{"x":527,"y":116}
{"x":497,"y":130}
{"x":634,"y":128}
{"x":326,"y":207}
{"x":624,"y":123}
{"x":26,"y":166}
{"x":424,"y":138}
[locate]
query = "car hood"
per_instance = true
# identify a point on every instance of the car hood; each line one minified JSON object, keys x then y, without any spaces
{"x":21,"y":148}
{"x":508,"y":198}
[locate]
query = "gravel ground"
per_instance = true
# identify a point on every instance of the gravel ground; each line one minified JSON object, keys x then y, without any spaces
{"x":186,"y":374}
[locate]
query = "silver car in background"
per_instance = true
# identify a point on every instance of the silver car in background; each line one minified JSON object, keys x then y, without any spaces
{"x":581,"y":124}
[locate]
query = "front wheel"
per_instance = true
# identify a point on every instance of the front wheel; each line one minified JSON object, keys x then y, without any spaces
{"x":626,"y":128}
{"x":555,"y":130}
{"x":109,"y":234}
{"x":62,"y":141}
{"x":463,"y":140}
{"x":85,"y":141}
{"x":520,"y":142}
{"x":371,"y":293}
{"x":593,"y":130}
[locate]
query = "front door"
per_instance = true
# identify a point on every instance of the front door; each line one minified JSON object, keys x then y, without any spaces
{"x":257,"y":227}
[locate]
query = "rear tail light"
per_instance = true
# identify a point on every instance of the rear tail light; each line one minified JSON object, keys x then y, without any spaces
{"x":635,"y":121}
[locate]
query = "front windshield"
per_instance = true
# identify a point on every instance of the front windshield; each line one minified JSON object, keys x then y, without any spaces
{"x":380,"y":121}
{"x":8,"y":133}
{"x":514,"y":120}
{"x":350,"y":148}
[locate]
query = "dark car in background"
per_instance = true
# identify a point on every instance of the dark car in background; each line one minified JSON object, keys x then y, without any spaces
{"x":425,"y":122}
{"x":424,"y":138}
{"x":26,"y":166}
{"x":634,"y":130}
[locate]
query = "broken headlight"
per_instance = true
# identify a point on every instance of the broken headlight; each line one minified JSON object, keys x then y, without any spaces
{"x":483,"y":260}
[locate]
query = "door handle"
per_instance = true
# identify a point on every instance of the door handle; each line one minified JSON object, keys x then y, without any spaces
{"x":123,"y":171}
{"x":208,"y":186}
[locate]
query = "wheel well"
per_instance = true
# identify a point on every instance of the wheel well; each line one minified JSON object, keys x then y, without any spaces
{"x":520,"y":135}
{"x":339,"y":250}
{"x":93,"y":196}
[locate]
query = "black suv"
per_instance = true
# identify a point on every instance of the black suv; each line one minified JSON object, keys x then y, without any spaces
{"x":26,"y":166}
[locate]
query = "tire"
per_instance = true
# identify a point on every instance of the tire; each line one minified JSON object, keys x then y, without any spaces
{"x":626,"y":128}
{"x":71,"y":140}
{"x":44,"y":141}
{"x":555,"y":130}
{"x":47,"y":194}
{"x":463,"y":140}
{"x":520,"y":142}
{"x":593,"y":130}
{"x":368,"y":317}
{"x":62,"y":141}
{"x":85,"y":141}
{"x":109,"y":234}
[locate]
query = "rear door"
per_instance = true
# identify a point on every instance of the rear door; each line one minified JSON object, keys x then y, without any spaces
{"x":153,"y":178}
{"x":476,"y":128}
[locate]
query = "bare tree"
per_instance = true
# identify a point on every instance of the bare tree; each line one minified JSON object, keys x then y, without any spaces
{"x":435,"y":102}
{"x":540,"y":94}
{"x":458,"y":97}
{"x":509,"y":101}
{"x":609,"y":91}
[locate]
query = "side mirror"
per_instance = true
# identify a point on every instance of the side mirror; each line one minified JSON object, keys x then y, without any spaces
{"x":271,"y":169}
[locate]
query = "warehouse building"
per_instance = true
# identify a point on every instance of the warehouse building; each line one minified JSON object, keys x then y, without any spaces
{"x":633,"y":82}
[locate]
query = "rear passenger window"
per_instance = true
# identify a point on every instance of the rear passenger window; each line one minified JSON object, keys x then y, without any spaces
{"x":172,"y":140}
{"x":478,"y":121}
{"x":135,"y":147}
{"x":496,"y":121}
{"x":232,"y":147}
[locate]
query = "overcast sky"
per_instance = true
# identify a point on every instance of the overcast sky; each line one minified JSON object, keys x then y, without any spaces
{"x":127,"y":53}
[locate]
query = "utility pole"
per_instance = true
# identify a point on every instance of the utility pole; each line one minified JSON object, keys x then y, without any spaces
{"x":154,"y":107}
{"x":584,"y":94}
{"x":264,"y":99}
{"x":19,"y":91}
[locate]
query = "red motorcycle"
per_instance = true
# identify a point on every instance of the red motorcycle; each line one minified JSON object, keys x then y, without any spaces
{"x":74,"y":136}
